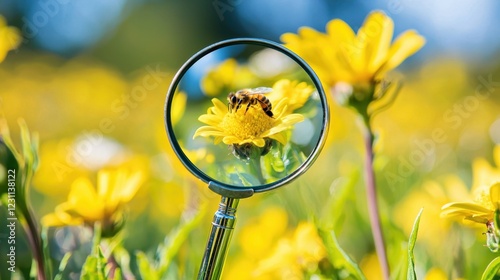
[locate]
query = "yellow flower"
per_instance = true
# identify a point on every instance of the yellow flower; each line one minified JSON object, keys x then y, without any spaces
{"x":88,"y":205}
{"x":430,"y":196}
{"x":255,"y":238}
{"x":484,"y":174}
{"x":295,"y":256}
{"x":341,"y":55}
{"x":238,"y":127}
{"x":260,"y":233}
{"x":485,"y":192}
{"x":297,"y":93}
{"x":435,"y":274}
{"x":370,"y":266}
{"x":178,"y":106}
{"x":481,"y":211}
{"x":10,"y":38}
{"x":226,"y":75}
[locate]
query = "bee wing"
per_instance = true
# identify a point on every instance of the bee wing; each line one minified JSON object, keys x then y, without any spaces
{"x":261,"y":90}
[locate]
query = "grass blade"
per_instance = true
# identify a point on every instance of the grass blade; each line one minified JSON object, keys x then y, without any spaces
{"x":411,"y":275}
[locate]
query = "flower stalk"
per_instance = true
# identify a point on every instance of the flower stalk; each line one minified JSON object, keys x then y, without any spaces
{"x":24,"y":166}
{"x":256,"y":168}
{"x":371,"y":197}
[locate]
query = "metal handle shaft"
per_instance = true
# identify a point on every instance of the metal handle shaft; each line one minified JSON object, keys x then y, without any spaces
{"x":218,"y":242}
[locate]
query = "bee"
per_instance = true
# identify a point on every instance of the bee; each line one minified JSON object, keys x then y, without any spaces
{"x":250,"y":97}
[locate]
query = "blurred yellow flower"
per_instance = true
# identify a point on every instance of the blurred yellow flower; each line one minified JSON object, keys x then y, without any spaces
{"x":228,"y":74}
{"x":238,"y":127}
{"x":294,"y":257}
{"x":297,"y":93}
{"x":485,"y":174}
{"x":485,"y":193}
{"x":10,"y":38}
{"x":259,"y":235}
{"x":436,"y":274}
{"x":431,"y":195}
{"x":88,"y":205}
{"x":178,"y":106}
{"x":370,"y":266}
{"x":255,"y":238}
{"x":340,"y":55}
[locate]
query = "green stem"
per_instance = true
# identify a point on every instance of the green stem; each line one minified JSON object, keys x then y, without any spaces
{"x":35,"y":243}
{"x":30,"y":225}
{"x":97,"y":237}
{"x":371,"y":194}
{"x":256,"y":168}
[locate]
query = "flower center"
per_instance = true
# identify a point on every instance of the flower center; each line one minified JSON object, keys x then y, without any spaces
{"x":247,"y":125}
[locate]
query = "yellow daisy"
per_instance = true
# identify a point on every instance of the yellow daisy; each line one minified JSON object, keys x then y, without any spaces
{"x":228,"y":74}
{"x":88,"y":205}
{"x":239,"y":127}
{"x":481,"y":211}
{"x":297,"y":93}
{"x":485,"y":193}
{"x":295,"y":255}
{"x":341,"y":55}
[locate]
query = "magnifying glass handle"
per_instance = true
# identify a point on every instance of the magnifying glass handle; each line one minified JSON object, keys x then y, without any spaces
{"x":218,"y":242}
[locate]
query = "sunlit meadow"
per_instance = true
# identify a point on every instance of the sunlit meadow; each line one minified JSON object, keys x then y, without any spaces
{"x":98,"y":193}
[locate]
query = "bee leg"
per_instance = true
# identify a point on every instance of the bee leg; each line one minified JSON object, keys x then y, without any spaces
{"x":238,"y":106}
{"x":248,"y":106}
{"x":269,"y":113}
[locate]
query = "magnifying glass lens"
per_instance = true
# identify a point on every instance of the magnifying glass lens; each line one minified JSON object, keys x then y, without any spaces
{"x":246,"y":114}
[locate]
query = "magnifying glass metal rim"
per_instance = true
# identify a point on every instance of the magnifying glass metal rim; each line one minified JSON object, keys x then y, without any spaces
{"x":221,"y":188}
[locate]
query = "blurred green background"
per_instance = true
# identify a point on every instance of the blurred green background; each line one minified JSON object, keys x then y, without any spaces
{"x":78,"y":79}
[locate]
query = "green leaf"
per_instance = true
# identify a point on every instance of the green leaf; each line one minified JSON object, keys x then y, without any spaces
{"x":175,"y":239}
{"x":248,"y":179}
{"x":339,"y":259}
{"x":343,"y":192}
{"x":146,"y":269}
{"x":94,"y":266}
{"x":411,"y":246}
{"x":62,"y":265}
{"x":292,"y":157}
{"x":23,"y":167}
{"x":122,"y":258}
{"x":491,"y":271}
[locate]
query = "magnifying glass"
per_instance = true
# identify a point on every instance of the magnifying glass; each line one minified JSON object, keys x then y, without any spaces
{"x":256,"y":118}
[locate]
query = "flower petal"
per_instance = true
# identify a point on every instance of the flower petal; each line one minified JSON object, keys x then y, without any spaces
{"x":60,"y":218}
{"x":82,"y":192}
{"x":178,"y":106}
{"x":293,"y":119}
{"x":495,"y":195}
{"x":259,"y":142}
{"x":230,"y":139}
{"x":84,"y":200}
{"x":404,"y":46}
{"x":463,"y":209}
{"x":280,"y":137}
{"x":130,"y":187}
{"x":103,"y":183}
{"x":346,"y":51}
{"x":340,"y":29}
{"x":213,"y":120}
{"x":378,"y":30}
{"x":220,"y":108}
{"x":10,"y":38}
{"x":206,"y":131}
